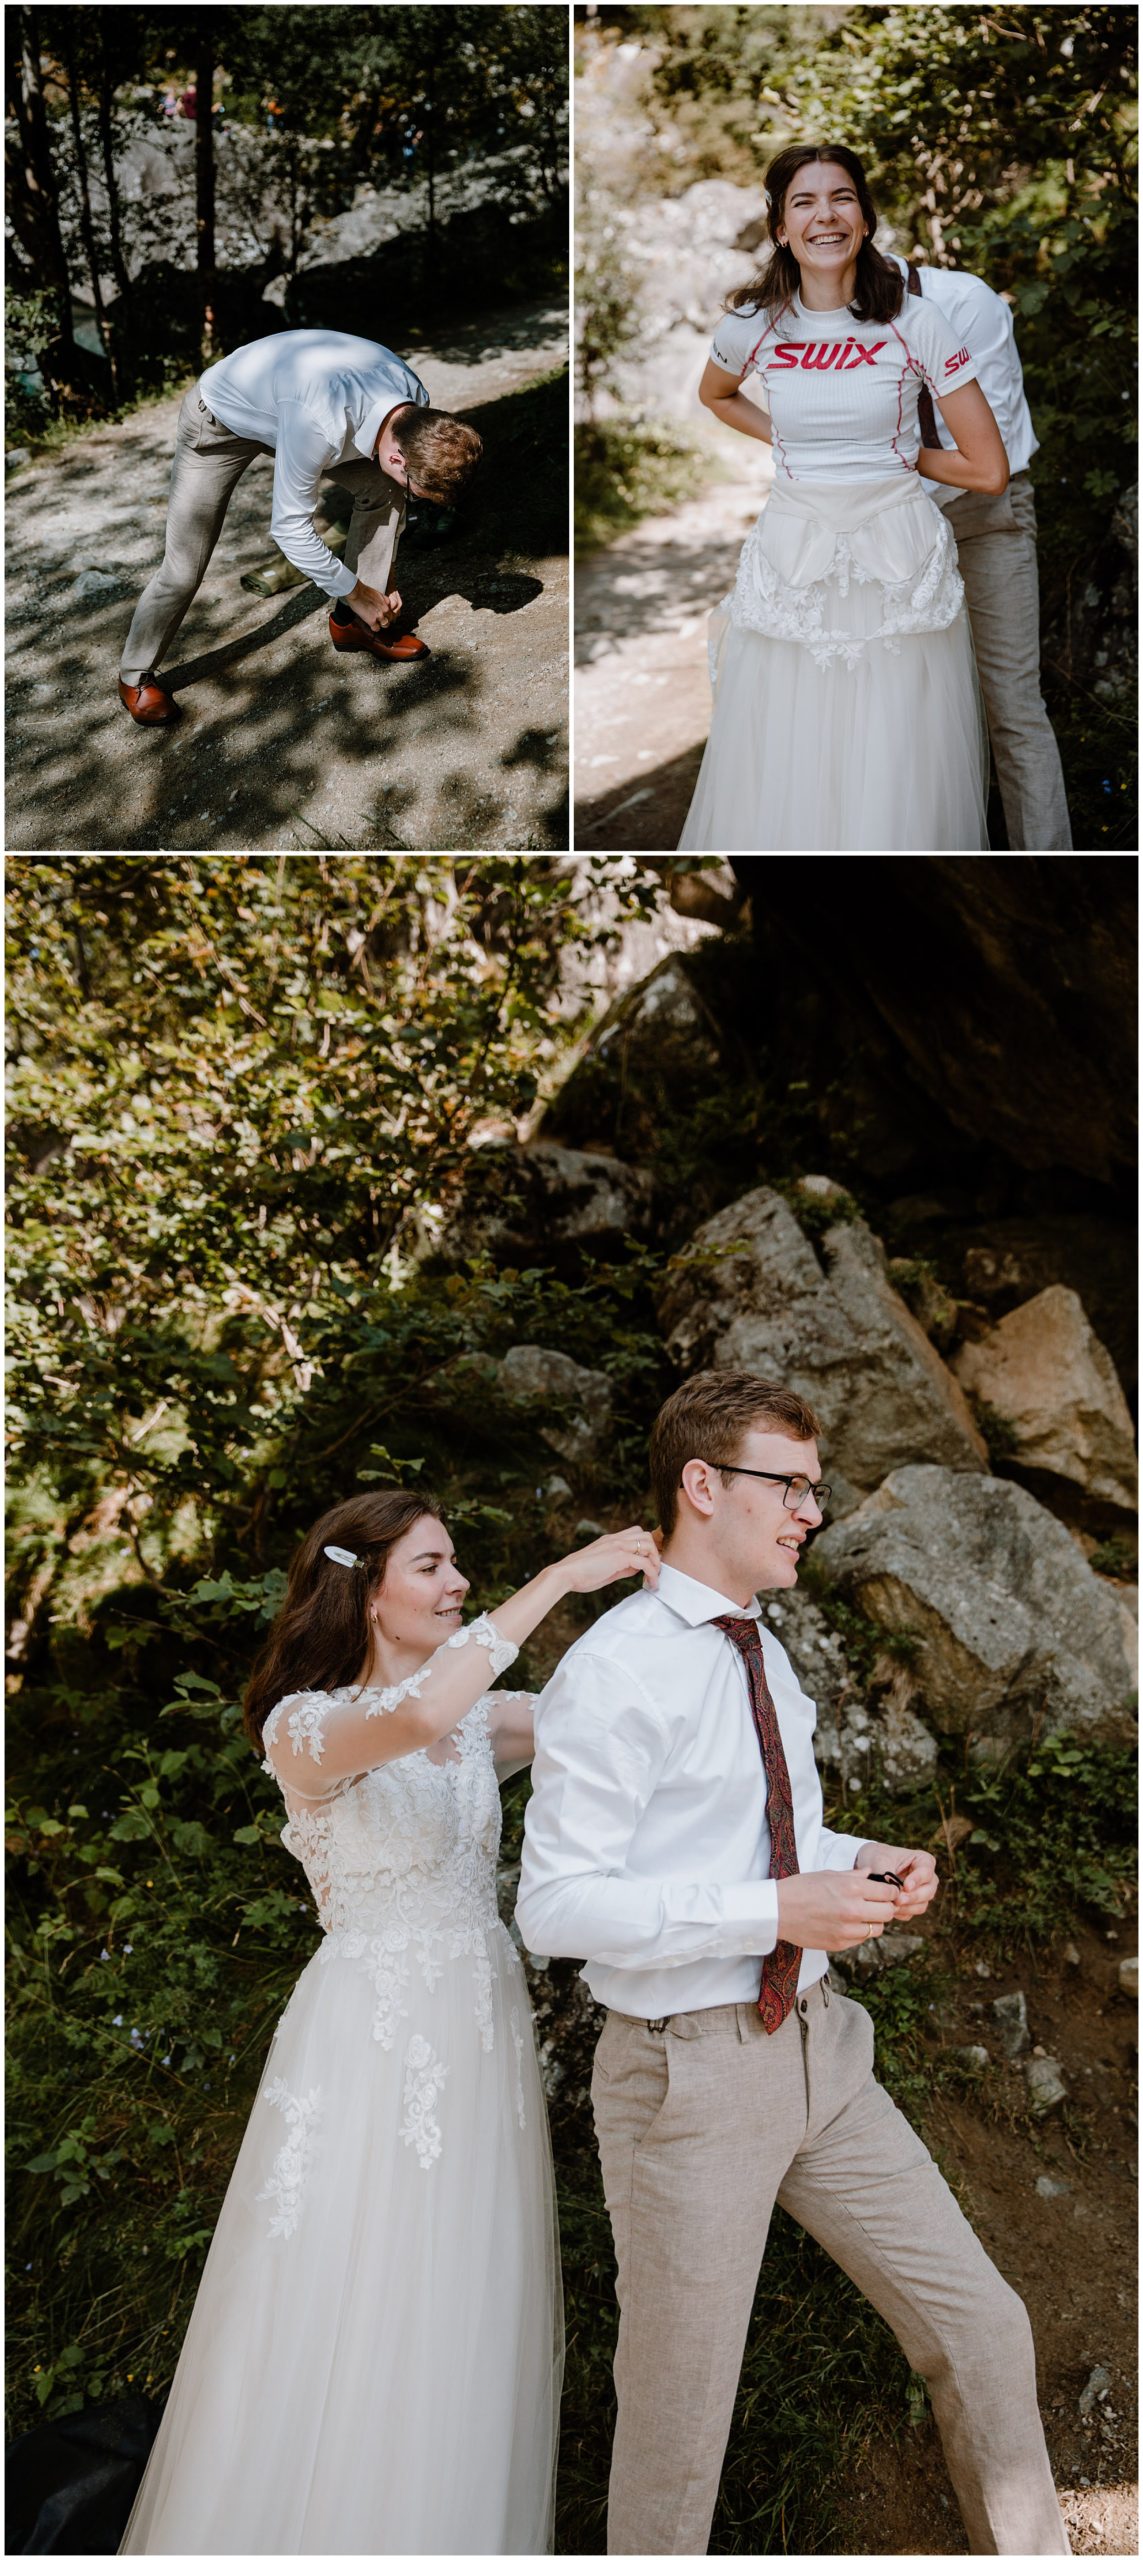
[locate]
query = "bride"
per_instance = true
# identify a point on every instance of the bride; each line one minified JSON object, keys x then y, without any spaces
{"x":373,"y":2360}
{"x":847,"y":714}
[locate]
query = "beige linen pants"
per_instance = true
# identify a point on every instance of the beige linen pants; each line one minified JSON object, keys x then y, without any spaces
{"x":702,"y":2127}
{"x":209,"y":462}
{"x":996,"y":548}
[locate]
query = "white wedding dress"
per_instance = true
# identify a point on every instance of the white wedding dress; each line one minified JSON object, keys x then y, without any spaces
{"x":373,"y":2360}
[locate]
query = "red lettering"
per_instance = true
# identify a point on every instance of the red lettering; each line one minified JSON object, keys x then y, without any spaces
{"x":819,"y":355}
{"x":954,"y":363}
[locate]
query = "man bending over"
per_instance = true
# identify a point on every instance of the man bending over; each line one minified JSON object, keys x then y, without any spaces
{"x":317,"y":401}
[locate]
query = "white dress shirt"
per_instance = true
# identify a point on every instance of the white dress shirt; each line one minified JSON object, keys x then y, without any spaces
{"x":977,"y":316}
{"x":316,"y":397}
{"x":646,"y":1844}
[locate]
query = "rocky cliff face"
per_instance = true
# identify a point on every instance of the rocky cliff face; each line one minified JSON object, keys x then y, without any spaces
{"x":962,"y":1026}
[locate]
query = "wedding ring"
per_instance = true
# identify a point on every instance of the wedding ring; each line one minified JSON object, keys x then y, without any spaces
{"x":869,"y":1928}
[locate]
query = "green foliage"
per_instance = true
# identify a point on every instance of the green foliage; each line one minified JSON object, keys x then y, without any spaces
{"x":233,"y":1085}
{"x":1117,"y":1556}
{"x":1053,"y":1834}
{"x":627,"y":468}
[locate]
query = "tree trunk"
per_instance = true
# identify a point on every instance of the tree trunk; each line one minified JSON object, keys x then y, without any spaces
{"x":86,"y":223}
{"x":107,"y":140}
{"x":30,"y":187}
{"x":204,"y":184}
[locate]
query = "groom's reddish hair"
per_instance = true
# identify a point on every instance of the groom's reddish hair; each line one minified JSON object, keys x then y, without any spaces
{"x":706,"y":1418}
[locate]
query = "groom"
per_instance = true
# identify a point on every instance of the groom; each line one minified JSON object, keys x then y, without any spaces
{"x":675,"y":1839}
{"x":317,"y":401}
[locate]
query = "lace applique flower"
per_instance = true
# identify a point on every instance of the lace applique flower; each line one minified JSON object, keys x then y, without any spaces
{"x":425,"y":2077}
{"x":481,"y":1631}
{"x":383,"y":1701}
{"x":285,"y":2185}
{"x":309,"y":1709}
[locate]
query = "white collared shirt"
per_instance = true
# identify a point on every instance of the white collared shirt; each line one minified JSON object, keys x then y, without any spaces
{"x":646,"y":1844}
{"x":316,"y":397}
{"x":979,"y":316}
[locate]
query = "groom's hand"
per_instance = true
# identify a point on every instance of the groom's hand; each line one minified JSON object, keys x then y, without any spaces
{"x":917,"y":1869}
{"x":827,"y":1910}
{"x":373,"y":607}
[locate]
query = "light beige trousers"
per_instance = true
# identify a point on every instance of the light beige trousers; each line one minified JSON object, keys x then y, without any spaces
{"x":703,"y":2126}
{"x":996,"y":548}
{"x":209,"y":462}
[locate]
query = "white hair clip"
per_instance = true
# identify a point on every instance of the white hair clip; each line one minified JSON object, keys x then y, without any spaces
{"x":340,"y":1555}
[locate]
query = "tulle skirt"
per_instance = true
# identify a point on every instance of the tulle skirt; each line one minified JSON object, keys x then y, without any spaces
{"x":847,"y":713}
{"x":373,"y":2360}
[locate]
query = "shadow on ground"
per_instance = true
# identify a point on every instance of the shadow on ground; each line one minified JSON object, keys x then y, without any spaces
{"x":283,"y":743}
{"x":641,"y":817}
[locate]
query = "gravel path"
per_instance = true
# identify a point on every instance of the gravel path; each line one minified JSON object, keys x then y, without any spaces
{"x":283,"y":744}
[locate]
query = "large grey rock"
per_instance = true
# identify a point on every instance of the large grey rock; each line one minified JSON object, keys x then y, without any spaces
{"x":538,"y":1380}
{"x":752,"y":1292}
{"x":858,"y":1735}
{"x":1046,"y":1372}
{"x":1013,"y":1630}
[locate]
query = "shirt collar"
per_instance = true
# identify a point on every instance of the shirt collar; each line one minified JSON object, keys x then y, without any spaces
{"x":365,"y":436}
{"x":695,"y":1601}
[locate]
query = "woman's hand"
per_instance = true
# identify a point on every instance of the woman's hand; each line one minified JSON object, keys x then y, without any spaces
{"x":609,"y":1559}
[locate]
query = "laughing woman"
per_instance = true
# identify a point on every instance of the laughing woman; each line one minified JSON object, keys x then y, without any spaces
{"x":373,"y":2359}
{"x":847,"y":714}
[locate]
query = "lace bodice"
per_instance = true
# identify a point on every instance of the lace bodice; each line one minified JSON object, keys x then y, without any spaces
{"x":415,"y":1837}
{"x":400,"y":1857}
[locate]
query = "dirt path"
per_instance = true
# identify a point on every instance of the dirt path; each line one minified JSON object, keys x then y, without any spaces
{"x":1055,"y":2203}
{"x":283,"y":744}
{"x":642,"y":691}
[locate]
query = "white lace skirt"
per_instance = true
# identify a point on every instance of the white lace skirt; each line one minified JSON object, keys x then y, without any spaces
{"x":847,"y":713}
{"x":373,"y":2360}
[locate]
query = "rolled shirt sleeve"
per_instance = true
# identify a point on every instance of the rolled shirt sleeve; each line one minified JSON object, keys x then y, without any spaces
{"x":303,"y":454}
{"x":601,"y":1748}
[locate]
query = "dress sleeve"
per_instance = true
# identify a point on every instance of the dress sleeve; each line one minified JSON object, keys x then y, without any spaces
{"x":316,"y":1739}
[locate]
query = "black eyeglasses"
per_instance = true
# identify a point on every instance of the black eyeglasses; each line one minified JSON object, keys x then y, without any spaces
{"x":798,"y":1488}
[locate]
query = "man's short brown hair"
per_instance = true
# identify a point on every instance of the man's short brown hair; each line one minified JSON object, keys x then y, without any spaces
{"x":706,"y":1418}
{"x":440,"y":452}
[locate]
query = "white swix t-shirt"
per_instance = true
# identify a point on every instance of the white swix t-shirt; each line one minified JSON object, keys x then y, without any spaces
{"x":315,"y":397}
{"x":843,"y":393}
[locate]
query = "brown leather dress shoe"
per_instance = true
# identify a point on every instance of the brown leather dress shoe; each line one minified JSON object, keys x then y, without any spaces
{"x":149,"y":702}
{"x":397,"y":644}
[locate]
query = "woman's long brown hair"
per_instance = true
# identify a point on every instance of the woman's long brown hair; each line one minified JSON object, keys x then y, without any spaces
{"x":880,"y":285}
{"x":320,"y":1637}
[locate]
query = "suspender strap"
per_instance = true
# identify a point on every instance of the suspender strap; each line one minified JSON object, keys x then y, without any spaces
{"x":926,"y":415}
